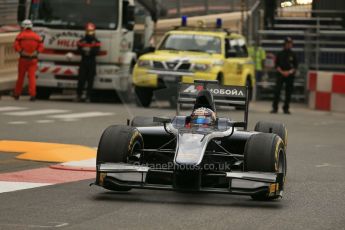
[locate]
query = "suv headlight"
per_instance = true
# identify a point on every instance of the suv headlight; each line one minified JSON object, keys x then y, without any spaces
{"x":201,"y":67}
{"x":218,"y":63}
{"x":144,"y":63}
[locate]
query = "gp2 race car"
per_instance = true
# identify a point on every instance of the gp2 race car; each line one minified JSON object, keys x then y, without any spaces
{"x":200,"y":152}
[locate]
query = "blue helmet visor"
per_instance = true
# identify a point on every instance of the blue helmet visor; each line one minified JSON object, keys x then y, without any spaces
{"x":202,"y":120}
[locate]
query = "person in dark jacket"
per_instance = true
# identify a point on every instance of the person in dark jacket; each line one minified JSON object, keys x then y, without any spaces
{"x":88,"y":47}
{"x":286,"y":66}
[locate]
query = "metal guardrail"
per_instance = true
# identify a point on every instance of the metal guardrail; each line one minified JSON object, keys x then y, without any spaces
{"x":8,"y":62}
{"x":8,"y":57}
{"x":332,"y":32}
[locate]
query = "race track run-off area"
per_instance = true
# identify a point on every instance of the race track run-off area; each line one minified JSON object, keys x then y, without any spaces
{"x":47,"y":162}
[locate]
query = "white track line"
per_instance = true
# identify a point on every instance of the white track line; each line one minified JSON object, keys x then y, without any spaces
{"x":11,"y":108}
{"x":81,"y":115}
{"x":83,"y":163}
{"x":7,"y":186}
{"x":44,"y":121}
{"x":36,"y":226}
{"x":37,"y":112}
{"x":17,"y":122}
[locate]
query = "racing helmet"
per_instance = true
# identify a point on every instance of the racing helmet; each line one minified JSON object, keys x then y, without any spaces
{"x":203,"y":116}
{"x":90,"y":28}
{"x":26,"y":24}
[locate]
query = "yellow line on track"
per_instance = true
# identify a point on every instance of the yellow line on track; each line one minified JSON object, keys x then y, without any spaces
{"x":47,"y":152}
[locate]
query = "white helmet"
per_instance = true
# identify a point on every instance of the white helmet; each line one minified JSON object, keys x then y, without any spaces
{"x":203,"y":116}
{"x":27,"y":24}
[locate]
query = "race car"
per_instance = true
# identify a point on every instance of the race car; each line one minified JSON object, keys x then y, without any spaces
{"x":197,"y":152}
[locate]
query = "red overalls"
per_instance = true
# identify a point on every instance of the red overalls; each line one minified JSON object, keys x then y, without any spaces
{"x":28,"y":44}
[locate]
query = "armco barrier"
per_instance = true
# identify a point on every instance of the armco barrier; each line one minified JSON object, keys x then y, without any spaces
{"x":326,"y":91}
{"x":8,"y":62}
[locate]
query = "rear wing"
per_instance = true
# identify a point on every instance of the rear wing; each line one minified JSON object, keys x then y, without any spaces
{"x":237,"y":96}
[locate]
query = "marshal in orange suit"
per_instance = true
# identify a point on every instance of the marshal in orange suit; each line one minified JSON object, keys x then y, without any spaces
{"x":28,"y":44}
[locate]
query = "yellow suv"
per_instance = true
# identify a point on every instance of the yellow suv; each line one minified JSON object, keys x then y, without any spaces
{"x":189,"y":53}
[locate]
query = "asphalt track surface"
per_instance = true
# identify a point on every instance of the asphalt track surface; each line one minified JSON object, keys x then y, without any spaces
{"x":314,"y":196}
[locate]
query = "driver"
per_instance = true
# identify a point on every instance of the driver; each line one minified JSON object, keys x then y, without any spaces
{"x":202,"y":116}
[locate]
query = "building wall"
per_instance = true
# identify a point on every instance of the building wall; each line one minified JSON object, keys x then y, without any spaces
{"x":8,"y":12}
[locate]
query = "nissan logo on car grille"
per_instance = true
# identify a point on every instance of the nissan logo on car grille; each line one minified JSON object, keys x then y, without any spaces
{"x":171,"y":65}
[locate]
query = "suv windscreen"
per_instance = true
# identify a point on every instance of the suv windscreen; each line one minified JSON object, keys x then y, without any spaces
{"x":192,"y":42}
{"x":75,"y":13}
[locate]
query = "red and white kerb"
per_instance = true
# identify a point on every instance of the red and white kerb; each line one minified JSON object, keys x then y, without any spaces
{"x":326,"y":91}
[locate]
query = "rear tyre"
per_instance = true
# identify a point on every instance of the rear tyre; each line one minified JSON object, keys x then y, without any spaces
{"x":265,"y":152}
{"x":143,"y":96}
{"x":43,"y":93}
{"x":272,"y":127}
{"x":117,"y":144}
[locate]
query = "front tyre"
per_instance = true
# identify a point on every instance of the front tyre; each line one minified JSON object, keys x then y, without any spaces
{"x":272,"y":127}
{"x":265,"y":152}
{"x":117,"y":144}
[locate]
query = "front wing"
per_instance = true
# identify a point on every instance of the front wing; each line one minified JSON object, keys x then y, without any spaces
{"x":239,"y":183}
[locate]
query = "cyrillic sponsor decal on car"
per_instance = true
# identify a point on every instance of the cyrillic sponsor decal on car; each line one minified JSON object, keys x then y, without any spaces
{"x":216,"y":90}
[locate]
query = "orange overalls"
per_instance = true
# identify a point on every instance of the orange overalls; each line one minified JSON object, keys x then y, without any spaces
{"x":28,"y":44}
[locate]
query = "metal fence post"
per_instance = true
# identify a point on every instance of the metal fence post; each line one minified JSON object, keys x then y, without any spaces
{"x":317,"y":51}
{"x":308,"y":49}
{"x":2,"y":56}
{"x":242,"y":16}
{"x":206,"y":7}
{"x":178,"y":7}
{"x":232,"y":5}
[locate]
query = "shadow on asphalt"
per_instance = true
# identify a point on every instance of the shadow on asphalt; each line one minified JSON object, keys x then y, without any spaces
{"x":197,"y":199}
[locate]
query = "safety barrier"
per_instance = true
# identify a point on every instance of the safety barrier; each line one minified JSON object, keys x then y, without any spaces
{"x":326,"y":91}
{"x":8,"y":61}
